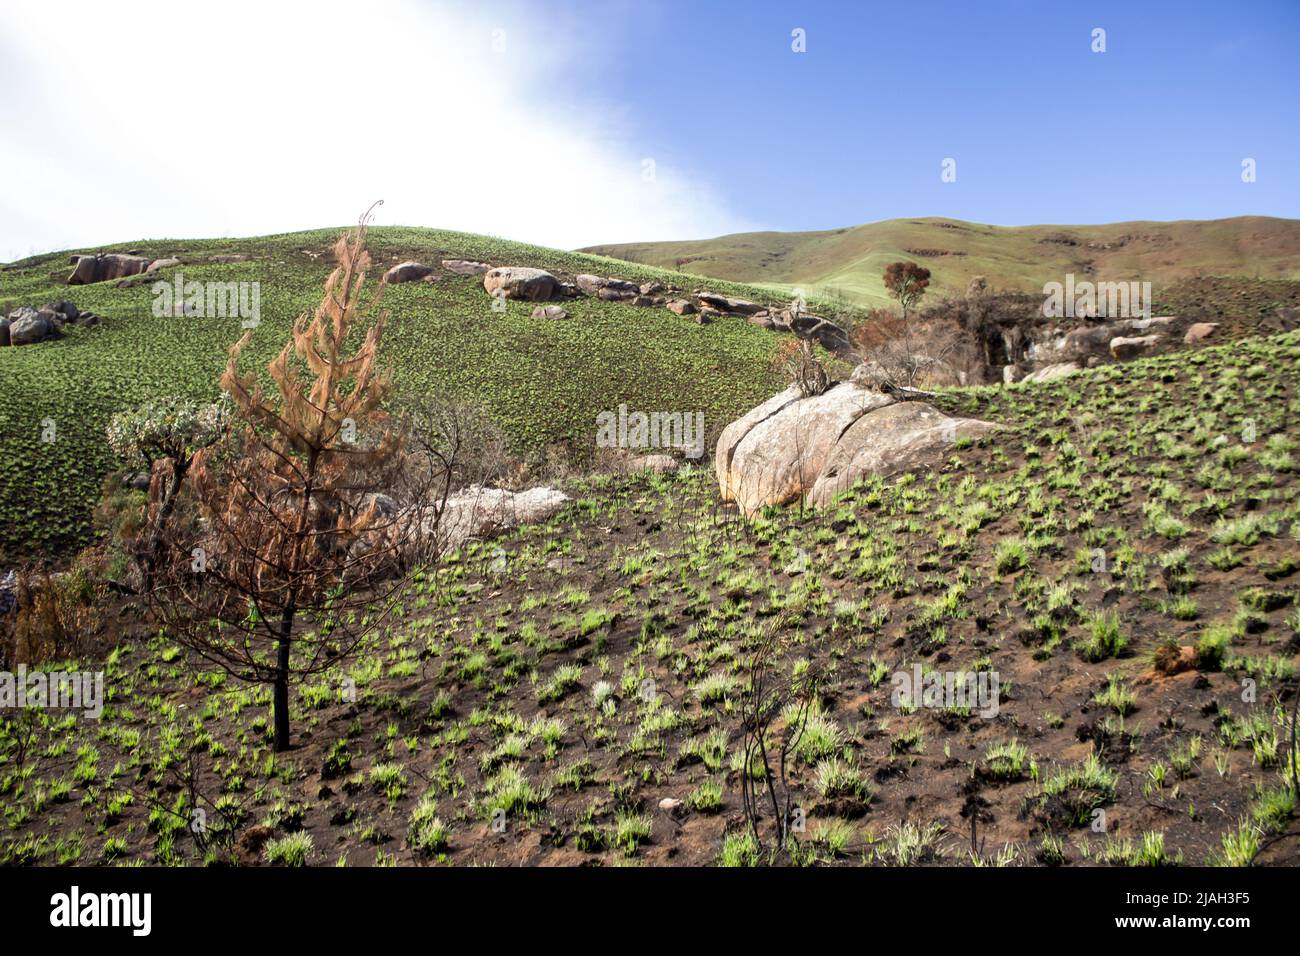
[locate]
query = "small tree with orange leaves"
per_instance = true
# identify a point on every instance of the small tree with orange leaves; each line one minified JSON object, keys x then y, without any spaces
{"x":286,"y":562}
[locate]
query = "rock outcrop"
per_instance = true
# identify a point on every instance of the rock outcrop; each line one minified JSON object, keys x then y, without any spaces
{"x":792,"y":447}
{"x":104,"y":266}
{"x":725,"y":304}
{"x":614,"y":289}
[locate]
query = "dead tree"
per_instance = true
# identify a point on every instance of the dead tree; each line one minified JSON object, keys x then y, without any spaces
{"x":286,"y":561}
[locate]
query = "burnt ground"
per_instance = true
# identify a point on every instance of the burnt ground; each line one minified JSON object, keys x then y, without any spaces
{"x":504,"y":715}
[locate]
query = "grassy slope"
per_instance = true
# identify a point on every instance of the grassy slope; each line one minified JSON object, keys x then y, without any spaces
{"x":1018,"y":258}
{"x":984,"y":562}
{"x":544,"y":381}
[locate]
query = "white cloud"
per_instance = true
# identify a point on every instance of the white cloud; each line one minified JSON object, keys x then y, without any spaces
{"x":167,"y":120}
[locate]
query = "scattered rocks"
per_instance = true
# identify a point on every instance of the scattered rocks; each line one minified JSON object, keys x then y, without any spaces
{"x":104,"y":266}
{"x":1198,"y":332}
{"x":651,"y":288}
{"x":1054,"y":345}
{"x":549,"y":312}
{"x":410,"y":271}
{"x":597,"y":285}
{"x":465,"y":267}
{"x":26,"y":326}
{"x":227,"y":258}
{"x":521,"y":282}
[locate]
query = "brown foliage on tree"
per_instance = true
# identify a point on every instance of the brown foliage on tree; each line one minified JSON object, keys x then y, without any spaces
{"x":286,"y":562}
{"x":906,"y":282}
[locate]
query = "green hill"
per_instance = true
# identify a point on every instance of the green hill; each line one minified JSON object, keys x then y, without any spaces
{"x":543,"y":381}
{"x":849,"y":262}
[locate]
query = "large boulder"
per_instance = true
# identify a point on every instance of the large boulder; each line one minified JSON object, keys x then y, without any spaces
{"x":28,"y":326}
{"x":1050,"y":373}
{"x":409,"y":271}
{"x":520,"y":282}
{"x":471,"y":514}
{"x":1125,"y":347}
{"x":66,"y":311}
{"x":478,"y":512}
{"x":681,"y":307}
{"x":105,"y":266}
{"x":659,"y":464}
{"x":726,"y":304}
{"x":465,"y":267}
{"x":890,"y":440}
{"x":792,"y":447}
{"x":1198,"y":332}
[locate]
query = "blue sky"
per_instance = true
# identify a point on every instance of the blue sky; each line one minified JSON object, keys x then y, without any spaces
{"x":1042,"y":128}
{"x":534,"y":119}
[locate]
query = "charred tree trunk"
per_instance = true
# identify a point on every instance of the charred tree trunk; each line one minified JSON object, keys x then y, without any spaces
{"x":280,"y":703}
{"x":165,"y":509}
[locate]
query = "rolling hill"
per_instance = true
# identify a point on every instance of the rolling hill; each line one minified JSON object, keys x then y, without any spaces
{"x":543,"y":381}
{"x":847,"y":263}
